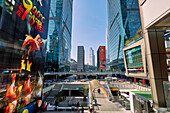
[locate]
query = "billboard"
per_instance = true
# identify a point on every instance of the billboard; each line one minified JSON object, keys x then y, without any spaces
{"x":134,"y":61}
{"x":102,"y":57}
{"x":23,"y":41}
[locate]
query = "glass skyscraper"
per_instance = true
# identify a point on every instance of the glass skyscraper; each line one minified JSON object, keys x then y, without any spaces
{"x":123,"y":23}
{"x":59,"y":35}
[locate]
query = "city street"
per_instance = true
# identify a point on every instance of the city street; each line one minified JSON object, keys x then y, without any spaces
{"x":106,"y":106}
{"x":84,"y":56}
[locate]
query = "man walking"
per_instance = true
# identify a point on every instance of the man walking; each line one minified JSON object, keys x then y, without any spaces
{"x":98,"y":91}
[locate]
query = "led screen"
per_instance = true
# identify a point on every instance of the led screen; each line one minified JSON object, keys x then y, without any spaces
{"x":23,"y":41}
{"x":134,"y":60}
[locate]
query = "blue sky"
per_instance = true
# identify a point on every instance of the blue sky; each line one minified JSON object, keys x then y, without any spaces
{"x":89,"y":26}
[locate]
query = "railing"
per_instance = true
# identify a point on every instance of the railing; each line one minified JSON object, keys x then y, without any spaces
{"x":48,"y":88}
{"x":57,"y":108}
{"x":141,"y":88}
{"x":130,"y":86}
{"x":122,"y":85}
{"x":108,"y":88}
{"x":66,"y":104}
{"x":82,"y":73}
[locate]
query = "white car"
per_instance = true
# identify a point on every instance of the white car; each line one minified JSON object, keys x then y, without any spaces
{"x":72,"y":80}
{"x":66,"y":80}
{"x":84,"y":80}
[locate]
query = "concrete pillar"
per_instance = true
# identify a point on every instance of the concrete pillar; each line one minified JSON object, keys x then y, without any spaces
{"x":81,"y":77}
{"x":69,"y":92}
{"x":56,"y":77}
{"x":144,"y":82}
{"x":157,"y":67}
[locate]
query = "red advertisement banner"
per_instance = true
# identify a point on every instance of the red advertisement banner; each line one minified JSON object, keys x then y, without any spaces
{"x":102,"y":57}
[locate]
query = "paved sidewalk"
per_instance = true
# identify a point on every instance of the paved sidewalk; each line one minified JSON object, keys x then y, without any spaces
{"x":106,"y":106}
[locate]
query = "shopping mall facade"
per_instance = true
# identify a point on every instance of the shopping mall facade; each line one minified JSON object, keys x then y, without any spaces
{"x":147,"y":58}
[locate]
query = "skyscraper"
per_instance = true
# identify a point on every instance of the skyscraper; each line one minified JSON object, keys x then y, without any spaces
{"x":80,"y":59}
{"x":123,"y":23}
{"x":92,"y":57}
{"x":59,"y":34}
{"x":107,"y":51}
{"x":101,"y":58}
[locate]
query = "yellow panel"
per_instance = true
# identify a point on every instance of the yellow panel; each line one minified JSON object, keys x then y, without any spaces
{"x":114,"y":89}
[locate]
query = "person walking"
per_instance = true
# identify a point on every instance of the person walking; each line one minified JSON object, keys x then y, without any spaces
{"x":45,"y":106}
{"x":98,"y":91}
{"x":82,"y":109}
{"x":78,"y":105}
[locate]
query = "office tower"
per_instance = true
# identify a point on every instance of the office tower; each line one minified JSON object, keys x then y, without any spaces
{"x":107,"y":51}
{"x":80,"y":59}
{"x":92,"y":57}
{"x":73,"y":66}
{"x":101,"y":59}
{"x":123,"y":23}
{"x":59,"y":35}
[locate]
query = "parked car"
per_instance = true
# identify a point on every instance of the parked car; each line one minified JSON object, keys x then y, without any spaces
{"x":72,"y":80}
{"x":66,"y":80}
{"x":84,"y":80}
{"x":48,"y":80}
{"x":102,"y":80}
{"x":121,"y":80}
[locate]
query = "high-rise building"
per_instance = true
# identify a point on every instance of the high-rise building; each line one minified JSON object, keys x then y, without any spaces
{"x":59,"y":35}
{"x":80,"y":59}
{"x":101,"y":59}
{"x":92,"y":57}
{"x":73,"y":66}
{"x":123,"y":23}
{"x":107,"y":51}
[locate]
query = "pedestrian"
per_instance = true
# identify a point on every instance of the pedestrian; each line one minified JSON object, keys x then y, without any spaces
{"x":82,"y":109}
{"x":98,"y":91}
{"x":78,"y":105}
{"x":45,"y":106}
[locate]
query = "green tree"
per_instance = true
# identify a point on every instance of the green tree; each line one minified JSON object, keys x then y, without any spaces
{"x":139,"y":33}
{"x":84,"y":90}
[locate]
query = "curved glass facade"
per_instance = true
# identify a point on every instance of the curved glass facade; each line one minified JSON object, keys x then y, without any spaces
{"x":123,"y":23}
{"x":59,"y":35}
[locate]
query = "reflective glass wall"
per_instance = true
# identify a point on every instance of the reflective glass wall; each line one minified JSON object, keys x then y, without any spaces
{"x":123,"y":23}
{"x":59,"y":35}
